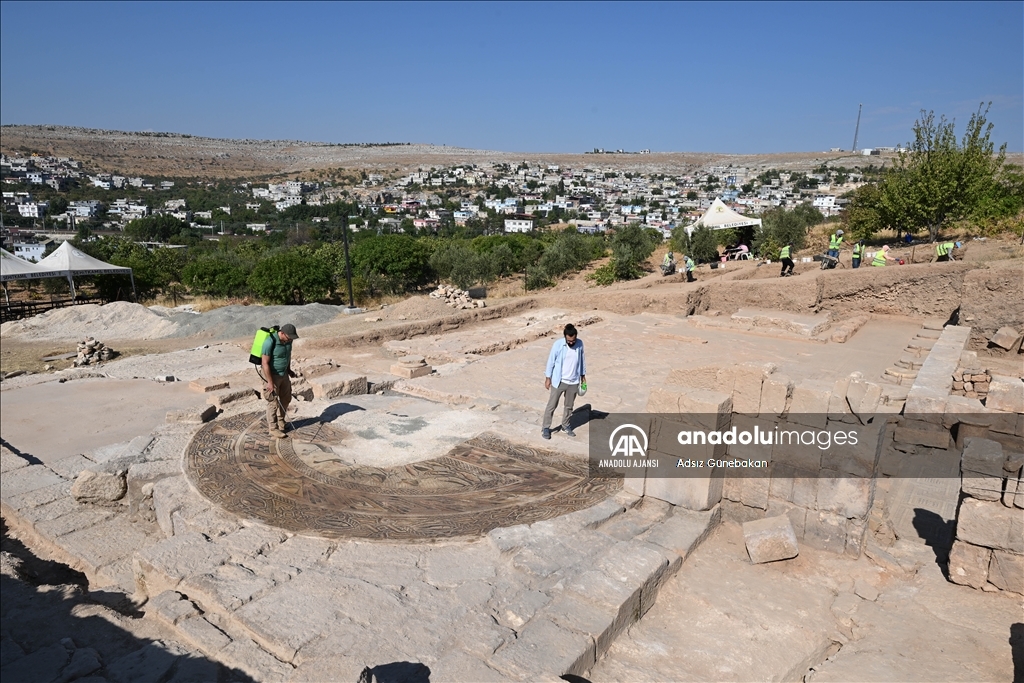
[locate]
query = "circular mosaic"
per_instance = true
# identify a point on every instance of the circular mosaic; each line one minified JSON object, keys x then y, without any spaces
{"x":300,"y":484}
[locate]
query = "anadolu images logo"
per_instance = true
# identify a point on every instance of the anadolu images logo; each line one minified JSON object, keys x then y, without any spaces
{"x":628,"y":443}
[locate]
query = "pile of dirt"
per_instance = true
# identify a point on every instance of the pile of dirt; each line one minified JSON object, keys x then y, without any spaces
{"x":231,"y":322}
{"x":116,"y":320}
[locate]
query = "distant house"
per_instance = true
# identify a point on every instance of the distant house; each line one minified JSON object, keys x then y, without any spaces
{"x":518,"y":224}
{"x":29,"y":251}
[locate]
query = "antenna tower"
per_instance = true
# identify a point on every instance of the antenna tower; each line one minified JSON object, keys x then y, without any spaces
{"x":856,"y":131}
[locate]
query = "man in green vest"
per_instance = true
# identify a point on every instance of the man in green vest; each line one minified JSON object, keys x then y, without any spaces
{"x":881,"y":256}
{"x":858,"y":253}
{"x":944,"y":251}
{"x":787,"y":261}
{"x":835,"y":243}
{"x":688,"y":266}
{"x":277,"y":369}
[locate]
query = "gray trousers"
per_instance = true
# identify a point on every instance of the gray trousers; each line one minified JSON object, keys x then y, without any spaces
{"x":570,"y":391}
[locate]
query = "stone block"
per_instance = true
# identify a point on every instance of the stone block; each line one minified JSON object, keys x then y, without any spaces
{"x":863,"y":399}
{"x":302,"y":392}
{"x":1005,"y":394}
{"x":775,"y":392}
{"x":920,"y":433}
{"x":1005,"y":338}
{"x":164,"y":565}
{"x":170,"y":607}
{"x":825,"y":531}
{"x":747,"y":380}
{"x":770,"y":539}
{"x":40,"y":497}
{"x":968,"y":564}
{"x":991,"y":525}
{"x":796,"y":514}
{"x":192,"y":416}
{"x":45,"y":664}
{"x":226,"y":587}
{"x":1006,"y":571}
{"x":25,"y":479}
{"x":544,"y":648}
{"x":408,"y":372}
{"x":865,"y":590}
{"x":691,"y":403}
{"x":226,"y":397}
{"x":99,"y":487}
{"x":684,"y":531}
{"x":72,"y":466}
{"x":170,"y":495}
{"x":809,"y":405}
{"x":205,"y":386}
{"x":689,"y":492}
{"x":254,"y":661}
{"x":838,"y":408}
{"x":789,"y":450}
{"x":10,"y":461}
{"x":339,"y":384}
{"x":251,"y":541}
{"x":846,"y":496}
{"x":576,"y":614}
{"x":104,"y":544}
{"x":153,"y":662}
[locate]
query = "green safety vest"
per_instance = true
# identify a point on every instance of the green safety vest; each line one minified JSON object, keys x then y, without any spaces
{"x":943,"y":248}
{"x":858,"y":250}
{"x":835,"y":242}
{"x":784,"y":253}
{"x":879,"y":259}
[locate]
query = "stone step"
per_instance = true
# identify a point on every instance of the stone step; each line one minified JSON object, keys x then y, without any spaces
{"x":926,"y":333}
{"x":919,"y":343}
{"x":902,"y":375}
{"x":911,"y":360}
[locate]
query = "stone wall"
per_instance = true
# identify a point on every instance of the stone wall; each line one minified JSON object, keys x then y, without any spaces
{"x":988,"y":552}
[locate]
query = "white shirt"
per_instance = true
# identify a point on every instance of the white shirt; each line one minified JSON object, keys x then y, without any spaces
{"x":571,"y":365}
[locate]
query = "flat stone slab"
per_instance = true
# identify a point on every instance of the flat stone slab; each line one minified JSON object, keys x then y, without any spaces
{"x":806,"y":325}
{"x":482,"y":484}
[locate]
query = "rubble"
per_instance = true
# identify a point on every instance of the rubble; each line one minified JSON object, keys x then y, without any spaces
{"x":91,"y":351}
{"x":770,"y":539}
{"x":457,"y":298}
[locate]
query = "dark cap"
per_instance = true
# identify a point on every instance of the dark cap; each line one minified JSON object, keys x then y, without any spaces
{"x":289,"y":329}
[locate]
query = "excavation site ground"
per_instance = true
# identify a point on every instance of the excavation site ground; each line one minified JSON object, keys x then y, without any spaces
{"x":415,"y":525}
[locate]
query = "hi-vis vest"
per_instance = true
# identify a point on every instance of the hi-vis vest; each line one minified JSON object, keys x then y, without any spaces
{"x":784,"y":253}
{"x":943,"y":248}
{"x":835,"y":242}
{"x":879,"y":259}
{"x":858,"y":250}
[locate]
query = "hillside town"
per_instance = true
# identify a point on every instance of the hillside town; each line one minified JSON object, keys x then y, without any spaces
{"x":492,"y":198}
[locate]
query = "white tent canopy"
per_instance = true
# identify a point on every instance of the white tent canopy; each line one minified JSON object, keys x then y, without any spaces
{"x":71,"y":261}
{"x":721,"y":217}
{"x":67,"y":258}
{"x":14,"y":268}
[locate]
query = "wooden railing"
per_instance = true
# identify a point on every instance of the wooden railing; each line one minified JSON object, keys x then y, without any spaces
{"x":15,"y":310}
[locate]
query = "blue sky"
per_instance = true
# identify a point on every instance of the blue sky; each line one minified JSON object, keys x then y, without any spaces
{"x":545,"y":77}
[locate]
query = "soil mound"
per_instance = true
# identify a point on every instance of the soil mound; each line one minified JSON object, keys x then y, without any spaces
{"x":116,"y":320}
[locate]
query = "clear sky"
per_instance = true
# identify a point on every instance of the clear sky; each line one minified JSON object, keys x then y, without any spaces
{"x":544,"y":77}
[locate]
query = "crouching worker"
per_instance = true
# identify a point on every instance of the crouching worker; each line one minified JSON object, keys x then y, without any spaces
{"x":277,"y":362}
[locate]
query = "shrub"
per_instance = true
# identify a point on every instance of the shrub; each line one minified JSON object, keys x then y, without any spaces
{"x":290,"y":278}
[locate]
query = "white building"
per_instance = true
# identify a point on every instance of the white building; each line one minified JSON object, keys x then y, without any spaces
{"x":518,"y":225}
{"x":84,"y":208}
{"x":33,"y":209}
{"x":29,"y":252}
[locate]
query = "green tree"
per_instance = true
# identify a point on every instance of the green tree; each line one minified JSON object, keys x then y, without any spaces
{"x":290,"y":277}
{"x":402,"y":261}
{"x":216,"y":275}
{"x":155,"y":228}
{"x":631,"y":246}
{"x":780,"y":227}
{"x":939,"y":179}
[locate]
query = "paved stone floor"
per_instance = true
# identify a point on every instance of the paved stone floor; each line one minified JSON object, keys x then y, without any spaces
{"x":300,"y":484}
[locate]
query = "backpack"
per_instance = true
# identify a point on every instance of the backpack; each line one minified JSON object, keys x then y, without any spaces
{"x":256,"y":352}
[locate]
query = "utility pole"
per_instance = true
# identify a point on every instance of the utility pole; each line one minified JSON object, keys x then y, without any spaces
{"x":351,"y":308}
{"x":856,"y":131}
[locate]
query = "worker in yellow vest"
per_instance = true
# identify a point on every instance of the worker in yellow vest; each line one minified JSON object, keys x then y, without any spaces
{"x":787,"y":261}
{"x":881,"y":256}
{"x":835,"y":243}
{"x":858,"y":253}
{"x":944,"y":251}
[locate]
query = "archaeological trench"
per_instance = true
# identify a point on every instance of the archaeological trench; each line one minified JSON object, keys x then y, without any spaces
{"x":415,"y":526}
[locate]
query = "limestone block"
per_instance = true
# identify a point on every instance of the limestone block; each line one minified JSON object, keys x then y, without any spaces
{"x":865,"y":590}
{"x":99,"y":487}
{"x":825,"y":531}
{"x":846,"y":496}
{"x":775,"y":392}
{"x":543,"y":647}
{"x":10,"y":461}
{"x":170,"y":607}
{"x":26,"y":479}
{"x":571,"y":612}
{"x":689,"y":492}
{"x":789,"y":450}
{"x":201,"y":634}
{"x":257,"y":663}
{"x":838,"y":408}
{"x":205,"y":386}
{"x":704,"y":408}
{"x":810,"y":402}
{"x":1006,"y":571}
{"x":411,"y":372}
{"x":339,"y":384}
{"x":770,"y":539}
{"x":1006,"y":394}
{"x":991,"y":525}
{"x":683,"y":532}
{"x":747,"y":380}
{"x":968,"y":564}
{"x":1005,"y":338}
{"x":920,"y":433}
{"x":863,"y":398}
{"x":45,"y":664}
{"x":226,"y":587}
{"x":162,"y":566}
{"x":1013,"y":485}
{"x":192,"y":416}
{"x":173,"y":496}
{"x":224,"y":397}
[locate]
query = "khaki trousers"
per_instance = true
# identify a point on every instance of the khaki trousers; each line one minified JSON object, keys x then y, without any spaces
{"x":570,"y":391}
{"x":283,"y":393}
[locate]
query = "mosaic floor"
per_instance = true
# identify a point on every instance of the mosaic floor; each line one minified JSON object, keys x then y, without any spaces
{"x":299,"y":484}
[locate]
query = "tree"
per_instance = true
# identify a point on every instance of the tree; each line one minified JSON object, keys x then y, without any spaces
{"x":631,"y":246}
{"x":780,"y":227}
{"x":155,"y":228}
{"x":290,"y":278}
{"x":938,"y":179}
{"x":402,"y":261}
{"x":701,"y":246}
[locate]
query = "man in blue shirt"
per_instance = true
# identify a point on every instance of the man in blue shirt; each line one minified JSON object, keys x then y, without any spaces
{"x":277,"y":361}
{"x":565,"y":370}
